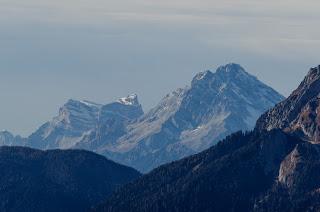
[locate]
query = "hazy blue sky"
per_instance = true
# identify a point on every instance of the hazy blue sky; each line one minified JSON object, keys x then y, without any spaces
{"x":100,"y":50}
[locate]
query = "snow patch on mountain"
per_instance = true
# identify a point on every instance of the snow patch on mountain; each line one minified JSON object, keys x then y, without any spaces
{"x":80,"y":121}
{"x":91,"y":104}
{"x":129,"y":100}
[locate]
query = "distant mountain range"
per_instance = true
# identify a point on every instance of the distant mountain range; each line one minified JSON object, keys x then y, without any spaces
{"x":273,"y":168}
{"x":8,"y":139}
{"x":57,"y":180}
{"x":185,"y":122}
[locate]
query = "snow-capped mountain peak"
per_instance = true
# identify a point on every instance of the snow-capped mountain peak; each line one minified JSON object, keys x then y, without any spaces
{"x":79,"y":119}
{"x":192,"y":119}
{"x":129,"y":100}
{"x":232,"y":68}
{"x":234,"y":71}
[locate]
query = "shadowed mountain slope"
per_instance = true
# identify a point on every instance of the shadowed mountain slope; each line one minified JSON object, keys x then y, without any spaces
{"x":57,"y":180}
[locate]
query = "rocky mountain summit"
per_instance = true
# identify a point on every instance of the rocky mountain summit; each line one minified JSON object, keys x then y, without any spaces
{"x":192,"y":119}
{"x":299,"y":114}
{"x":77,"y":120}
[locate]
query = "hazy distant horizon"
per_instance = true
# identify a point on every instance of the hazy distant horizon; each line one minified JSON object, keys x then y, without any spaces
{"x":103,"y":50}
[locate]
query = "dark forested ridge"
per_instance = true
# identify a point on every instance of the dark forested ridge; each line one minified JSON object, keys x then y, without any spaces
{"x":228,"y":177}
{"x":71,"y":180}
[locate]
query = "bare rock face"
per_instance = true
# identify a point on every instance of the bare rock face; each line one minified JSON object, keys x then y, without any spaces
{"x":298,"y":185}
{"x":307,"y":122}
{"x":300,"y":170}
{"x":299,"y":113}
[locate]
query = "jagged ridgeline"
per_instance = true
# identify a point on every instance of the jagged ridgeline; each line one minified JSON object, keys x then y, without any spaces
{"x":299,"y":114}
{"x":274,"y":168}
{"x":185,"y":122}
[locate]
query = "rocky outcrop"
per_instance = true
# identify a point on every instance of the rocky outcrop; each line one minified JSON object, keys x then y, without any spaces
{"x":299,"y":113}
